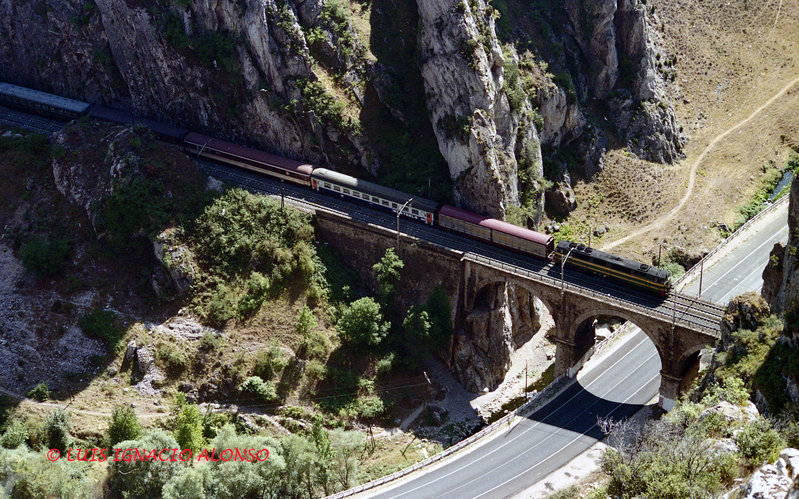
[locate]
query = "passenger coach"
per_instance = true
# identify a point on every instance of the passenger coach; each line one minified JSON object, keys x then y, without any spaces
{"x":336,"y":183}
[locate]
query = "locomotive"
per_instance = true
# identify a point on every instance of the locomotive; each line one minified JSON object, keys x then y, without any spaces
{"x":425,"y":211}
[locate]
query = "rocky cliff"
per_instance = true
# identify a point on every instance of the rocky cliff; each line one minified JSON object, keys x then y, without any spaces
{"x":781,"y":275}
{"x":369,"y":87}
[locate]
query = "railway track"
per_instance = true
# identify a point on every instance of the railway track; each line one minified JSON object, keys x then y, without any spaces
{"x":682,"y":308}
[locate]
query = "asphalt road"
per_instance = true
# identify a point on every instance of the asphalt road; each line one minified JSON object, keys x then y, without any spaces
{"x":626,"y":378}
{"x":742,"y":269}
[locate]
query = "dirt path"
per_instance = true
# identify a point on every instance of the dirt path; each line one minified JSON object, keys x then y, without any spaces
{"x":692,"y":178}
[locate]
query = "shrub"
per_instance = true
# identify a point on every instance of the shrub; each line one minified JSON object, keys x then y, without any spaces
{"x":257,"y":387}
{"x":315,"y":370}
{"x":28,"y":474}
{"x":173,"y":359}
{"x":759,"y":442}
{"x":15,"y":435}
{"x":270,"y":362}
{"x":45,"y":257}
{"x":101,"y":324}
{"x":40,"y":392}
{"x":124,"y":425}
{"x":384,"y":366}
{"x":56,"y":431}
{"x":440,"y":313}
{"x":315,"y":346}
{"x":361,"y":324}
{"x":306,"y":322}
{"x":142,"y":478}
{"x":387,"y":271}
{"x":209,"y":341}
{"x":189,"y":428}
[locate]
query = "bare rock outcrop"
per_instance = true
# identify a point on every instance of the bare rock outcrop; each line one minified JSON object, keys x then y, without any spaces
{"x":781,"y":276}
{"x":176,"y":260}
{"x":506,"y":317}
{"x":619,"y":47}
{"x":477,"y":131}
{"x":745,"y":311}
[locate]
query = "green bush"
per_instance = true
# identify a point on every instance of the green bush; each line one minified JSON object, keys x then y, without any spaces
{"x":759,"y":443}
{"x":45,"y":257}
{"x":15,"y":434}
{"x":142,"y":478}
{"x":270,"y":362}
{"x":384,"y":366}
{"x":101,"y":324}
{"x":29,"y":474}
{"x":361,"y":324}
{"x":306,"y":322}
{"x":315,"y":370}
{"x":189,"y":428}
{"x":257,"y":387}
{"x":315,"y":346}
{"x":56,"y":431}
{"x":40,"y":392}
{"x":124,"y":425}
{"x":172,"y":358}
{"x":209,"y":341}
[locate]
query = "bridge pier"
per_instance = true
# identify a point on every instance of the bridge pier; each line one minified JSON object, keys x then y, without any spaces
{"x":669,"y":391}
{"x":565,"y":357}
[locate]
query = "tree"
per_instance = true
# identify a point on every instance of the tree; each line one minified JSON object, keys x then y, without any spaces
{"x":57,"y":430}
{"x":346,"y":447}
{"x":189,"y":431}
{"x":264,"y":390}
{"x":388,"y":274}
{"x":188,"y":484}
{"x":417,"y":330}
{"x":440,"y":313}
{"x":362,"y":323}
{"x":131,"y":477}
{"x":306,"y":322}
{"x":124,"y":425}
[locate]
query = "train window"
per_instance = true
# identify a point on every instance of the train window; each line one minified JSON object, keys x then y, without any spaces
{"x":337,"y":188}
{"x":356,"y":194}
{"x":414,"y":211}
{"x":346,"y":191}
{"x":385,"y":203}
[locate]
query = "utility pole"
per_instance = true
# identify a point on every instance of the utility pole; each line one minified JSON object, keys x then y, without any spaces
{"x":589,"y":236}
{"x":660,"y":248}
{"x":398,"y":217}
{"x":525,"y":380}
{"x":282,"y":198}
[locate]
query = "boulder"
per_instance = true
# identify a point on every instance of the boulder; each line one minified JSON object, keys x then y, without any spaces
{"x":732,"y":412}
{"x":767,"y":483}
{"x":144,"y":360}
{"x":788,"y":463}
{"x":560,"y":200}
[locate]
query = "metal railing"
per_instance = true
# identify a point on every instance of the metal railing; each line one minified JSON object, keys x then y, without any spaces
{"x":534,"y":402}
{"x":588,"y":292}
{"x":729,"y":238}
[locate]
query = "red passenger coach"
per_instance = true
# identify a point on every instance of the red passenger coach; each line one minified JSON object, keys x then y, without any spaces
{"x":252,"y":159}
{"x":497,"y":231}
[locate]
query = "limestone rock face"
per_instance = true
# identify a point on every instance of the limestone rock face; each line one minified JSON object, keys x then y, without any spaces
{"x":85,"y":180}
{"x":766,"y":483}
{"x":506,"y":317}
{"x":119,"y":52}
{"x":463,"y":70}
{"x":781,"y":276}
{"x":620,"y":48}
{"x":745,"y":311}
{"x":176,"y":259}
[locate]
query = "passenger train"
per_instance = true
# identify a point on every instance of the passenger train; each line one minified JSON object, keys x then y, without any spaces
{"x":334,"y":183}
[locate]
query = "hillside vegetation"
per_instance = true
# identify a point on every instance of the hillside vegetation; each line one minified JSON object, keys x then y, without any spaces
{"x":304,"y":358}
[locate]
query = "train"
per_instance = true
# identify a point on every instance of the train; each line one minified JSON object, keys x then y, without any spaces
{"x":426,"y":211}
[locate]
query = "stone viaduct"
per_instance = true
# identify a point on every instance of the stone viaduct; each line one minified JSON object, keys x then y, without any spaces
{"x":466,"y":277}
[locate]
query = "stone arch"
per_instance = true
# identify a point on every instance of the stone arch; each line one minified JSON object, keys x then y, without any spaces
{"x":580,"y":343}
{"x":499,"y":316}
{"x":687,"y":366}
{"x":471,"y":303}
